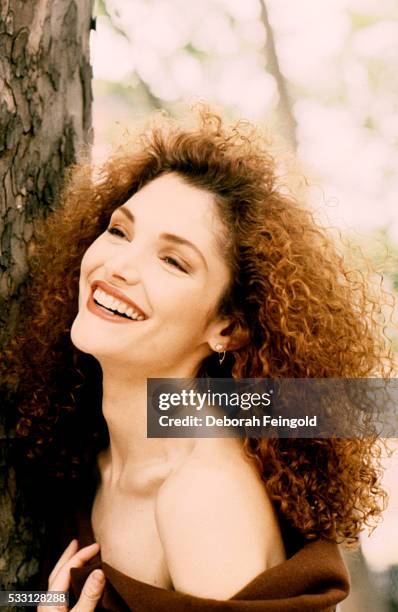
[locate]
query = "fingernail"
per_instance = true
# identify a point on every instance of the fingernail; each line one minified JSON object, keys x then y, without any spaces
{"x":98,"y":576}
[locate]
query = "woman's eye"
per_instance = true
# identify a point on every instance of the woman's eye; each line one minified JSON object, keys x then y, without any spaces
{"x":115,"y":231}
{"x":173,"y":262}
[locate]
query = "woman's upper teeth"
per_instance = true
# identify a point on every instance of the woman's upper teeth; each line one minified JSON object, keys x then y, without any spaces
{"x":110,"y":302}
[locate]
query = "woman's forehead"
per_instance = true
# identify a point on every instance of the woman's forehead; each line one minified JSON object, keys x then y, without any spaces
{"x":168,"y":204}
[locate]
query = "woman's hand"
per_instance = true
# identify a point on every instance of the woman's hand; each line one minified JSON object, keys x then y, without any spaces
{"x":59,"y":579}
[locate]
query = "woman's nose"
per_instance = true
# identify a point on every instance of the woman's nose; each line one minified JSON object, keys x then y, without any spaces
{"x":123,"y":266}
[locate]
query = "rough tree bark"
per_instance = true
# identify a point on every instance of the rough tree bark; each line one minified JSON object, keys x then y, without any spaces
{"x":45,"y":117}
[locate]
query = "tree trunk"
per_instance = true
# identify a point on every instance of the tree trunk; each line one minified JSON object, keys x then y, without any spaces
{"x":45,"y":118}
{"x":286,"y":121}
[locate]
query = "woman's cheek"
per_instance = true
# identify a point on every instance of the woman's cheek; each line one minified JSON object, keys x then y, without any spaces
{"x":90,"y":261}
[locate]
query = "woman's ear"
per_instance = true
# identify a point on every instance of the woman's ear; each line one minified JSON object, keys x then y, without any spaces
{"x":228,"y":334}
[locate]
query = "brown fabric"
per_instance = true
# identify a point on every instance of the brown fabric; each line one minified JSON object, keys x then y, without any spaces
{"x":312,"y":579}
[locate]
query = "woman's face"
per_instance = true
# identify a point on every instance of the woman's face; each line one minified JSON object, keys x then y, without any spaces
{"x":159,"y":256}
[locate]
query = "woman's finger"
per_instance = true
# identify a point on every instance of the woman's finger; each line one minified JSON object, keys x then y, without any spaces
{"x":61,"y":580}
{"x":69,"y":551}
{"x":91,"y":592}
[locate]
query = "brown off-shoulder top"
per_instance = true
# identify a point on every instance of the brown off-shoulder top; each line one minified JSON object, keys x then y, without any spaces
{"x":312,"y":579}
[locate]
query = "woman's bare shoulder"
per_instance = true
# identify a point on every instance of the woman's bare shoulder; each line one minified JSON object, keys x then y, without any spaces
{"x":214,"y":512}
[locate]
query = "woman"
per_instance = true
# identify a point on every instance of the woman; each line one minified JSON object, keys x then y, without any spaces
{"x":184,"y":252}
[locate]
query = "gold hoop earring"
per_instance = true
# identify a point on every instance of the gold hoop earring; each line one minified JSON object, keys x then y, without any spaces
{"x":221,"y":353}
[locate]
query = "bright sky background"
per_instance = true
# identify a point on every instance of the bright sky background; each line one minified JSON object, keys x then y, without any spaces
{"x":339,"y":62}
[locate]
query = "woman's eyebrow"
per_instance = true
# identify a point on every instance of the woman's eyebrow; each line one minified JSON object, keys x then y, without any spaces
{"x":126,"y":212}
{"x":166,"y":236}
{"x":184,"y":242}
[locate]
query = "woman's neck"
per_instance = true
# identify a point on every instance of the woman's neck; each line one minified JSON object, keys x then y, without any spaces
{"x":124,"y":407}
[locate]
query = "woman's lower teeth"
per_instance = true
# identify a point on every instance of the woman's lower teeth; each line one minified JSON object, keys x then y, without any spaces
{"x":115,"y":312}
{"x":120,"y":314}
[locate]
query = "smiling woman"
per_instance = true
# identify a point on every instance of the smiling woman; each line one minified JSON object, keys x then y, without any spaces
{"x":180,"y":248}
{"x":159,"y":257}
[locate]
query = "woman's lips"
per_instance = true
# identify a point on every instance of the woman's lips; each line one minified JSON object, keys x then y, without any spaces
{"x":106,"y":314}
{"x":114,"y":292}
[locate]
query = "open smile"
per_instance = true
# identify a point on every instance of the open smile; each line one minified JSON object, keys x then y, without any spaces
{"x":109,"y":307}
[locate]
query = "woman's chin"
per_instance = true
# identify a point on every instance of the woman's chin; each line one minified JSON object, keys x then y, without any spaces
{"x":95,"y":342}
{"x":83,"y":338}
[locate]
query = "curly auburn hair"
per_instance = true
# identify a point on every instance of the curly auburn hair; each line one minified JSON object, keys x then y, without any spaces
{"x":301,"y":312}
